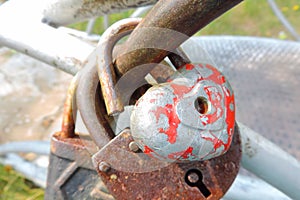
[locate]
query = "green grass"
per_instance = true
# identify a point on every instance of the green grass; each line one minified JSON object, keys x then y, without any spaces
{"x":250,"y":18}
{"x":14,"y":186}
{"x":98,"y":28}
{"x":255,"y":18}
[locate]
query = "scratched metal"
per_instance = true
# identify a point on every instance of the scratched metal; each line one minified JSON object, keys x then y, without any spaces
{"x":166,"y":182}
{"x":167,"y":124}
{"x":265,"y":76}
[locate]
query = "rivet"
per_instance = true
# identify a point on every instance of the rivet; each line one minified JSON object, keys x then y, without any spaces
{"x":134,"y":147}
{"x":113,"y":177}
{"x":104,"y":167}
{"x":229,"y":167}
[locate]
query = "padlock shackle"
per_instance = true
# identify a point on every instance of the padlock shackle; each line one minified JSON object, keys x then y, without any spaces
{"x":186,"y":17}
{"x":105,"y":67}
{"x":89,"y":99}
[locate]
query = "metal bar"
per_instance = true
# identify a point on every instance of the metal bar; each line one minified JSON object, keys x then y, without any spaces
{"x":58,"y":12}
{"x":21,"y":29}
{"x":270,"y":162}
{"x":105,"y":22}
{"x":163,"y":29}
{"x":91,"y":38}
{"x":38,"y":147}
{"x":140,"y":11}
{"x":90,"y":26}
{"x":248,"y":188}
{"x":283,"y":20}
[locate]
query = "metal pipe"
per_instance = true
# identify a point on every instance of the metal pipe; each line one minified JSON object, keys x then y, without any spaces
{"x":58,"y":12}
{"x":38,"y":40}
{"x":168,"y":24}
{"x":283,"y":20}
{"x":38,"y":147}
{"x":92,"y":38}
{"x":140,"y":11}
{"x":249,"y":188}
{"x":90,"y":26}
{"x":269,"y":162}
{"x":105,"y":22}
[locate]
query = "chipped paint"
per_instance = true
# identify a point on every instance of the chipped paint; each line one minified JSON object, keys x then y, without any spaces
{"x":167,"y":124}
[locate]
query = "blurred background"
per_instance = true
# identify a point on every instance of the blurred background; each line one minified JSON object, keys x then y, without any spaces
{"x":39,"y":90}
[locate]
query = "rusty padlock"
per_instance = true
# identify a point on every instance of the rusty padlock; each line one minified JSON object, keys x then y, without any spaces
{"x":129,"y":173}
{"x":71,"y":174}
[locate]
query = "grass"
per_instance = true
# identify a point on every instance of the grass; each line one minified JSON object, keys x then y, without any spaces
{"x":255,"y":18}
{"x":98,"y":27}
{"x":14,"y":186}
{"x":251,"y":18}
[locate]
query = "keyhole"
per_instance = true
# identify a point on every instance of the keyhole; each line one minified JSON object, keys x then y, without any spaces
{"x":201,"y":105}
{"x":194,"y":179}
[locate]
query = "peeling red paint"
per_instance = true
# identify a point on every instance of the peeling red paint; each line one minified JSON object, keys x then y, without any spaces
{"x":216,"y":76}
{"x":189,"y":67}
{"x":170,"y":112}
{"x":180,"y":90}
{"x":220,"y":97}
{"x":174,"y":121}
{"x":182,"y":154}
{"x":230,"y":117}
{"x":148,"y":150}
{"x":216,"y":102}
{"x":219,"y":79}
{"x":217,"y":142}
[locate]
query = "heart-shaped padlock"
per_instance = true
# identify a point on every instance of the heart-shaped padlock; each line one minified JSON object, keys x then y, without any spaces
{"x":190,"y":117}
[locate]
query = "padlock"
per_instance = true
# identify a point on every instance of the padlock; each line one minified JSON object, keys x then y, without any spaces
{"x":128,"y":172}
{"x":71,"y":174}
{"x":191,"y":117}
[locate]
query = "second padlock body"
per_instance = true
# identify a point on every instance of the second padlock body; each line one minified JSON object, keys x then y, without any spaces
{"x":189,"y":118}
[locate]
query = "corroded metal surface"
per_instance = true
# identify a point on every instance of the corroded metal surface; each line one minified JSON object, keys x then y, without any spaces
{"x":69,"y":113}
{"x":166,"y":26}
{"x":191,"y":117}
{"x":96,"y":116}
{"x":91,"y":107}
{"x":105,"y":66}
{"x":71,"y":174}
{"x":169,"y":181}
